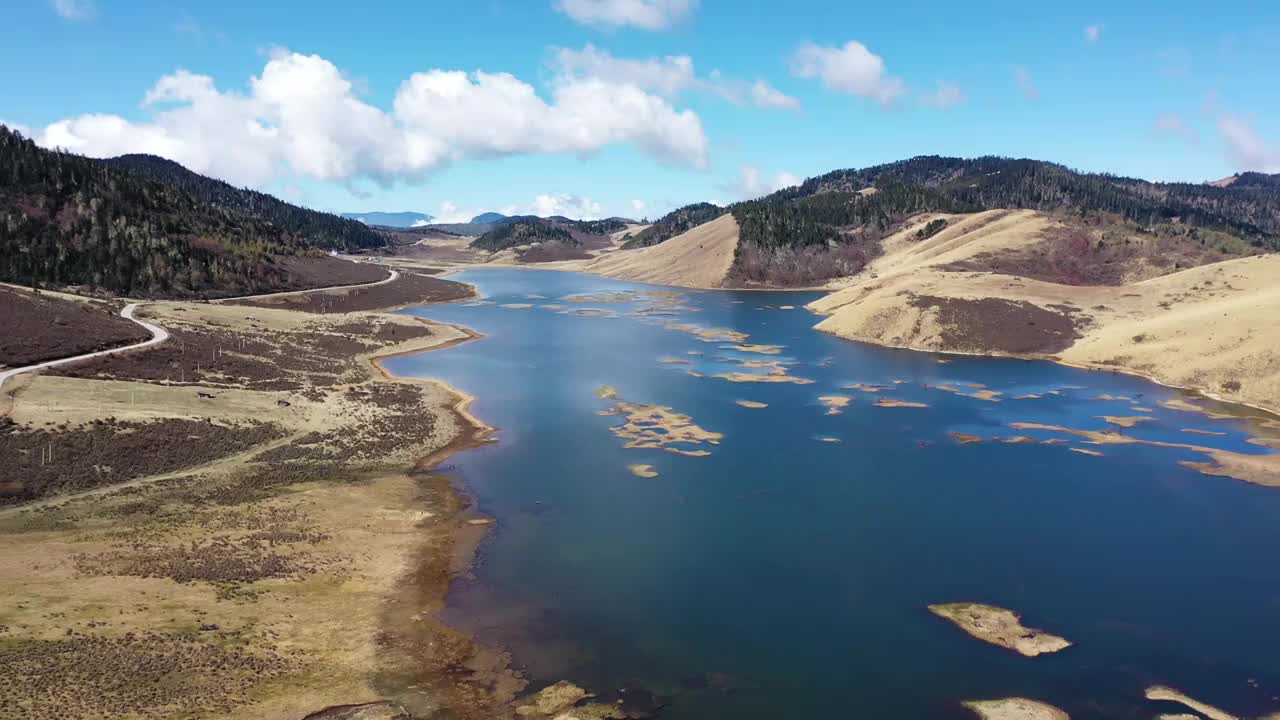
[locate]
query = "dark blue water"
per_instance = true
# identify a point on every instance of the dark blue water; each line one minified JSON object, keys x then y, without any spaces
{"x":786,"y":577}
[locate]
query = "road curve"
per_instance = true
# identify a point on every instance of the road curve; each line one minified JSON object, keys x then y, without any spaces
{"x":159,"y":334}
{"x":390,"y":278}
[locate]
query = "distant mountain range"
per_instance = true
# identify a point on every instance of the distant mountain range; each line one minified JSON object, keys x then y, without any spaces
{"x":390,"y":219}
{"x":489,"y":217}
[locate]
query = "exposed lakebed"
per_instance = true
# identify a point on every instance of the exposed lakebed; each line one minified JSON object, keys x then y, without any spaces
{"x":792,"y":504}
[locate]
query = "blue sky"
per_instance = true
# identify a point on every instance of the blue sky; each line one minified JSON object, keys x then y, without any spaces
{"x":632,"y":107}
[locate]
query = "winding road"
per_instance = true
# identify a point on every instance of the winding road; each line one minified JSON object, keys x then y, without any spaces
{"x":159,"y":334}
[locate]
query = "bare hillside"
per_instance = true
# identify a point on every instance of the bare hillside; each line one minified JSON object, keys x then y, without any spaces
{"x":699,"y":258}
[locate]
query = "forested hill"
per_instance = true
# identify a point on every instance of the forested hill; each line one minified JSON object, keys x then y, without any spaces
{"x":823,"y":209}
{"x":673,"y":223}
{"x":521,"y":230}
{"x":318,"y":229}
{"x":144,"y":226}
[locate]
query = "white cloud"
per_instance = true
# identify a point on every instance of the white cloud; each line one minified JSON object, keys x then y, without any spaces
{"x":74,"y":9}
{"x":574,"y":207}
{"x":422,"y":223}
{"x":638,"y":206}
{"x":1174,"y":125}
{"x":764,"y":95}
{"x":947,"y":95}
{"x":1093,"y":33}
{"x":668,"y":76}
{"x":643,"y":14}
{"x":1026,"y":85}
{"x":1247,"y":150}
{"x":751,"y":183}
{"x":451,"y":213}
{"x":302,"y":116}
{"x":851,"y":69}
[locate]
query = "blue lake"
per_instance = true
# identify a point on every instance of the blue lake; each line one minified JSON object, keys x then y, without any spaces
{"x":785,"y":576}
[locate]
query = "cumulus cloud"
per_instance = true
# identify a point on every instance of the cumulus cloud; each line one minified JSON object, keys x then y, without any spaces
{"x":1174,"y":125}
{"x":1093,"y":33}
{"x":574,"y":207}
{"x":1246,"y":149}
{"x":668,"y":76}
{"x":642,"y":14}
{"x":947,"y":95}
{"x":851,"y":69}
{"x":764,"y":95}
{"x":302,"y":116}
{"x":74,"y":9}
{"x":638,"y":206}
{"x":1026,"y":85}
{"x":750,"y":182}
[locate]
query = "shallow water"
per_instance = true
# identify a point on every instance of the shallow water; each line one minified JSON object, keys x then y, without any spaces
{"x":781,"y":576}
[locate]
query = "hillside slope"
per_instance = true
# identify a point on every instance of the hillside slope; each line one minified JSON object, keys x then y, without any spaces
{"x":1215,"y":327}
{"x":831,"y":225}
{"x":144,"y":226}
{"x":698,"y":258}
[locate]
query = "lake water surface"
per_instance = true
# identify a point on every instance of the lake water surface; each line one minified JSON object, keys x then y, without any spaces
{"x":784,"y":575}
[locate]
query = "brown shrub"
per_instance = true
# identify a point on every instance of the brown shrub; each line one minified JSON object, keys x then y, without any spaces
{"x":37,"y":463}
{"x":146,"y":675}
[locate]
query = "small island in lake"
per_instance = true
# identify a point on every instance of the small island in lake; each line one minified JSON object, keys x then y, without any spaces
{"x":1015,"y":709}
{"x":999,"y":626}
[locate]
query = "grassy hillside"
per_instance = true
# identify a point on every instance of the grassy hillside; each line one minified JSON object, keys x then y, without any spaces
{"x":831,"y":224}
{"x":140,"y":225}
{"x":674,"y":223}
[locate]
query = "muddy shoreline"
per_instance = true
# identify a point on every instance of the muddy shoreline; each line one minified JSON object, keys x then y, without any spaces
{"x":428,"y":665}
{"x":1269,"y":413}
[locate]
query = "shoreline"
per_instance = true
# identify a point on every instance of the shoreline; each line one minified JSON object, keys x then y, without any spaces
{"x":451,"y":268}
{"x":425,"y":525}
{"x":420,"y":595}
{"x":1273,"y":413}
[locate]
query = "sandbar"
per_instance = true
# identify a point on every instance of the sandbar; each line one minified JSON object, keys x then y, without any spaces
{"x":1262,"y":469}
{"x":744,"y":377}
{"x":1015,"y":708}
{"x":761,"y":349}
{"x":1124,"y":421}
{"x":865,"y":387}
{"x":644,"y":471}
{"x":751,"y":404}
{"x":709,"y":334}
{"x":999,"y":626}
{"x":659,"y":428}
{"x":1160,"y":692}
{"x":835,"y":404}
{"x":890,"y":402}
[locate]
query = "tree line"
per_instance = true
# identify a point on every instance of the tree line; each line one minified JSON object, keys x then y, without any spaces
{"x":140,"y":225}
